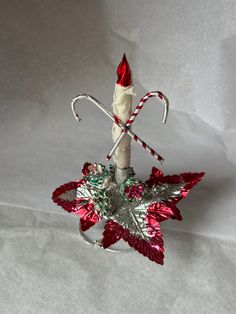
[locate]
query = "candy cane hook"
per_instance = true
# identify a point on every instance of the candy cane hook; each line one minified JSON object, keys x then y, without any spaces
{"x":133,"y":116}
{"x":92,"y":99}
{"x":114,"y":119}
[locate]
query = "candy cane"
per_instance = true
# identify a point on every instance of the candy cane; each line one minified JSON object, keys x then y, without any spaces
{"x":134,"y":115}
{"x":95,"y":101}
{"x":114,"y":119}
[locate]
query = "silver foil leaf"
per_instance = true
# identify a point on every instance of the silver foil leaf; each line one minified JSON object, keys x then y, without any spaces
{"x":166,"y":191}
{"x":131,"y":216}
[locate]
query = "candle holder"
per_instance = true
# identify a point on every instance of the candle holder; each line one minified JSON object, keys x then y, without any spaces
{"x":132,"y":209}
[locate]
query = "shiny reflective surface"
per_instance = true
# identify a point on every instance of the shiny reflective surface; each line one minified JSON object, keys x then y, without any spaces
{"x":133,"y":217}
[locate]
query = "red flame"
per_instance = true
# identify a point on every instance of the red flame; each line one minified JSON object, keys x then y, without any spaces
{"x":124,"y":73}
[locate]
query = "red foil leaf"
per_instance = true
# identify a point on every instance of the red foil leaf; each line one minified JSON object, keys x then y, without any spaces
{"x":159,"y":212}
{"x":124,"y":73}
{"x":155,"y":177}
{"x":69,"y":204}
{"x":149,"y":249}
{"x":163,"y":211}
{"x":188,"y":178}
{"x":76,"y":205}
{"x":153,"y":228}
{"x":113,"y":232}
{"x":88,"y":216}
{"x":175,"y":210}
{"x":153,"y":249}
{"x":85,"y":224}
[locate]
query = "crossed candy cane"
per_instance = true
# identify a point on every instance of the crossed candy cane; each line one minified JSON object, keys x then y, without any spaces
{"x":125,"y":127}
{"x":133,"y":116}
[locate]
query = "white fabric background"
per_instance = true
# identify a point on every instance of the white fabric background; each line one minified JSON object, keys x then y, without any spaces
{"x":53,"y":50}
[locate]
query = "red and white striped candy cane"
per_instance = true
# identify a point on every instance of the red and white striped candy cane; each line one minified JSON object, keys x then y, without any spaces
{"x":114,"y":119}
{"x":137,"y":139}
{"x":133,"y":116}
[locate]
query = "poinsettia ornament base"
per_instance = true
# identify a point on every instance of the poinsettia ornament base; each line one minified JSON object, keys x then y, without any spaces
{"x":133,"y":210}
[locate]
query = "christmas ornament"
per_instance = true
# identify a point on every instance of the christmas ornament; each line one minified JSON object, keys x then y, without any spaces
{"x":132,"y":209}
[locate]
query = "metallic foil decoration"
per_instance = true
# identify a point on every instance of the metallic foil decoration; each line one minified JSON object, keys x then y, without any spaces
{"x":133,"y":211}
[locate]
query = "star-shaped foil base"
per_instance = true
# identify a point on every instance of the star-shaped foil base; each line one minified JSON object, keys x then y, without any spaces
{"x":133,"y":211}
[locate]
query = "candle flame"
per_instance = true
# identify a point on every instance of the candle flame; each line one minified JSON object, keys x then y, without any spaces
{"x":124,"y":73}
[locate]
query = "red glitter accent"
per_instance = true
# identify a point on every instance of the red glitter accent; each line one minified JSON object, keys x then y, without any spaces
{"x":124,"y":73}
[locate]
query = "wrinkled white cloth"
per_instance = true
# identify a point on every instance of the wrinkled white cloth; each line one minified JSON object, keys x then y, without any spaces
{"x":47,"y":268}
{"x":50,"y":52}
{"x":122,"y":108}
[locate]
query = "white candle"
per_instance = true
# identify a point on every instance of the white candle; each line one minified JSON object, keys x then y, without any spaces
{"x":122,"y":108}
